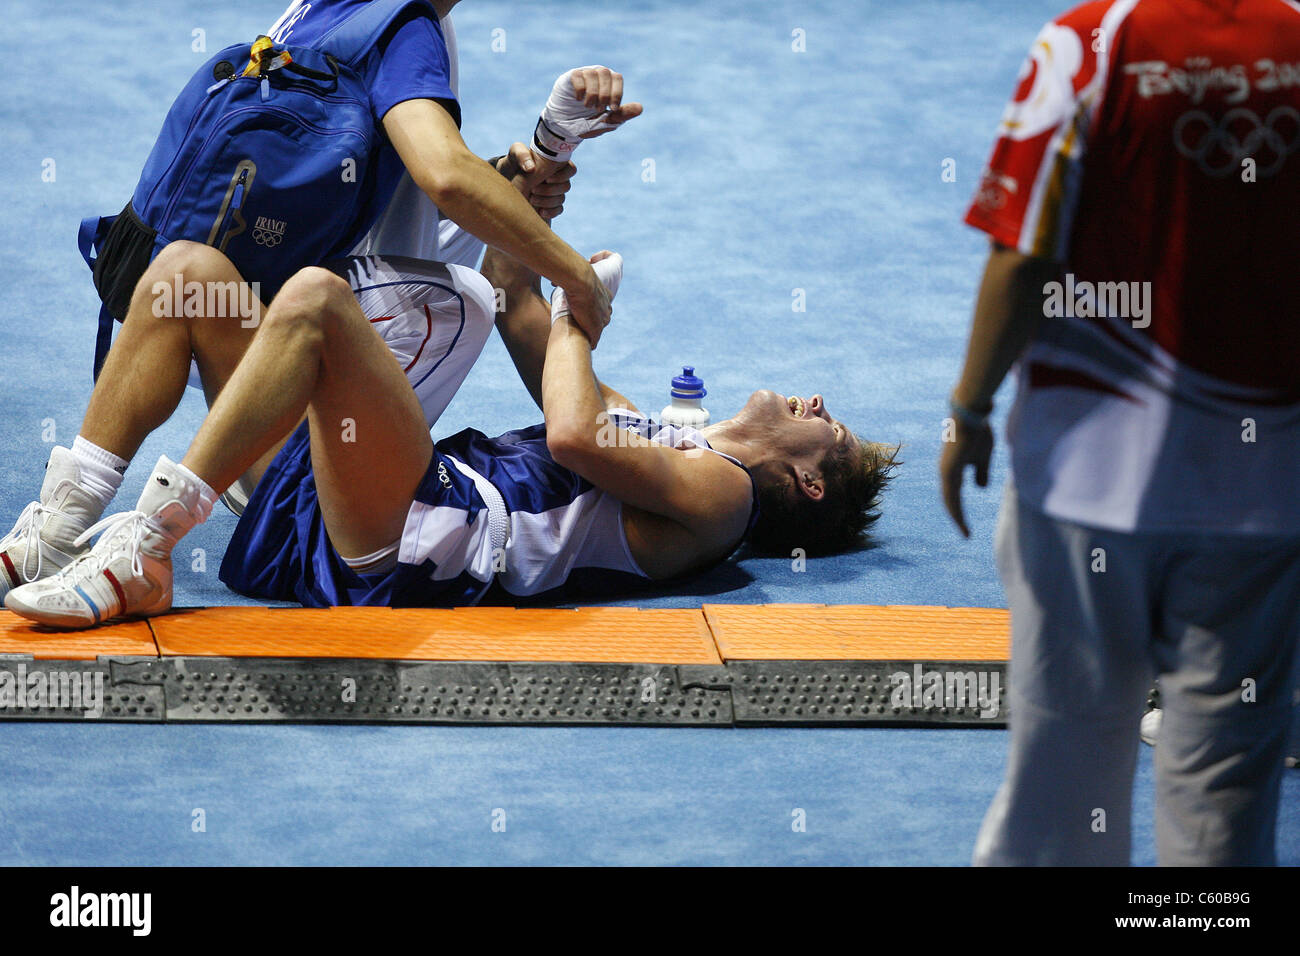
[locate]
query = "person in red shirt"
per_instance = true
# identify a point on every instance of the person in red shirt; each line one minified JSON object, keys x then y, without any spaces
{"x":1141,"y":202}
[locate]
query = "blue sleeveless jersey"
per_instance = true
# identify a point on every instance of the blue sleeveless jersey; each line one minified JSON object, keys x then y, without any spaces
{"x":489,"y":511}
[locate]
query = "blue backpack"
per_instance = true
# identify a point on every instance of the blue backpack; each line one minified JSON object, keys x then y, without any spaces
{"x":264,"y":156}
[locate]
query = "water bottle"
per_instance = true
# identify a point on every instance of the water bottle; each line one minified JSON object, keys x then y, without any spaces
{"x":685,"y":408}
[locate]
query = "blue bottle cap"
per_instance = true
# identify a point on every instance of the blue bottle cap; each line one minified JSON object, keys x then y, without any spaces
{"x":687,"y":385}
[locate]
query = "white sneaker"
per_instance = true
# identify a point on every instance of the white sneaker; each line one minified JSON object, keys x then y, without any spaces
{"x":1150,"y":730}
{"x":44,"y":539}
{"x":129,"y":570}
{"x":121,"y":575}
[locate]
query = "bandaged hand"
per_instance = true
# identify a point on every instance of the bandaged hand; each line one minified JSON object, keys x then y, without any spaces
{"x":584,"y":103}
{"x":608,"y":267}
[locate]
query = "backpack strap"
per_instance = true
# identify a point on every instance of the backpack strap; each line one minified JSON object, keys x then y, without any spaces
{"x":90,"y":238}
{"x":349,"y":40}
{"x":91,"y":235}
{"x":103,"y":340}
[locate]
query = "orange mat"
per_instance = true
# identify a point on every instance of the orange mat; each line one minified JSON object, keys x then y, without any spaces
{"x":859,"y":632}
{"x":129,"y":639}
{"x":711,"y":635}
{"x":613,"y":635}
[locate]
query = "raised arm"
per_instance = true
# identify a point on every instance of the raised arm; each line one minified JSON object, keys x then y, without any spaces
{"x":585,"y":103}
{"x":525,"y":324}
{"x":702,"y":493}
{"x":479,"y":200}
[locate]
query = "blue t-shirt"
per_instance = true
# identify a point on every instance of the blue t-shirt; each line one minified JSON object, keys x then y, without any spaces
{"x":409,"y":62}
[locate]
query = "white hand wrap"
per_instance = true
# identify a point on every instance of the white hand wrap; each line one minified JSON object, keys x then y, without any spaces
{"x":608,"y":270}
{"x":565,"y":119}
{"x":559,"y":305}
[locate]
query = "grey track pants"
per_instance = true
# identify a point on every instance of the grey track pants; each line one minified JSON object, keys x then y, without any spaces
{"x":1217,"y":617}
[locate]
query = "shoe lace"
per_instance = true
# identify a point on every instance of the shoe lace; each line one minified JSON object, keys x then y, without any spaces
{"x":126,"y":531}
{"x":28,"y":531}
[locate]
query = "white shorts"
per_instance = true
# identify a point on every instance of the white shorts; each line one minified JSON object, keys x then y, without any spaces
{"x":434,"y":317}
{"x":394,"y":293}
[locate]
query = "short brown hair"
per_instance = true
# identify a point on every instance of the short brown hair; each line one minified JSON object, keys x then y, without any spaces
{"x":855,"y":481}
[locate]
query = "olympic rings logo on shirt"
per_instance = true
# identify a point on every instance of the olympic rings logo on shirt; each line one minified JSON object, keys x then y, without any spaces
{"x":265,"y":237}
{"x":1200,"y":138}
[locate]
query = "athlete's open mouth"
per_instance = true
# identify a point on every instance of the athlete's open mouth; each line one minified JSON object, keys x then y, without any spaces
{"x":797,"y":406}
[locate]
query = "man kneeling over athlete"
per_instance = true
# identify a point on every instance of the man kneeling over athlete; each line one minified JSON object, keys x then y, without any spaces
{"x":193,"y":306}
{"x":361,"y":507}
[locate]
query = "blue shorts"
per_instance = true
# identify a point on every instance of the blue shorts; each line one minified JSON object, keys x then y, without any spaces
{"x":280,"y":550}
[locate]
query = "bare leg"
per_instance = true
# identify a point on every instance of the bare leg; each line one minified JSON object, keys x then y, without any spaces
{"x":316,"y":352}
{"x":525,"y":325}
{"x":145,"y":373}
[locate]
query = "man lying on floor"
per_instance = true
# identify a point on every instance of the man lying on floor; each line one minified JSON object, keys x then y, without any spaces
{"x":177,"y":321}
{"x":361,"y":507}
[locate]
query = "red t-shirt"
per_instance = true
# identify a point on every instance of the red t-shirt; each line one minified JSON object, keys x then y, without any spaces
{"x":1121,"y":154}
{"x":1152,"y":147}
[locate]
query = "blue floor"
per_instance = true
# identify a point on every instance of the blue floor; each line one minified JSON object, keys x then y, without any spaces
{"x":417,"y":796}
{"x":775,"y":174}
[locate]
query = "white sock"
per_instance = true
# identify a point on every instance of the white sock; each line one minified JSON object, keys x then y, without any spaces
{"x":174,"y":500}
{"x":207,"y":497}
{"x":100,"y":472}
{"x":89,"y":451}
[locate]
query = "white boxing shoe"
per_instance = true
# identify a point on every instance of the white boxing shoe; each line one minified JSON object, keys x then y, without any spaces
{"x":128,"y":573}
{"x":122,"y":575}
{"x":1150,"y":730}
{"x":610,"y":273}
{"x":43,"y":541}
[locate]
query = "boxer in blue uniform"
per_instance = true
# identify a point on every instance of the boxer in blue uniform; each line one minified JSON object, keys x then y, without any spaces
{"x":412,"y":80}
{"x":361,"y":507}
